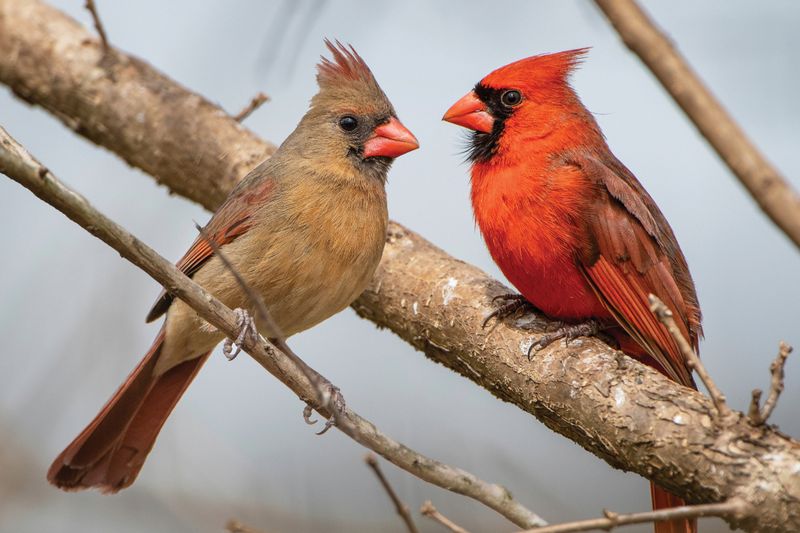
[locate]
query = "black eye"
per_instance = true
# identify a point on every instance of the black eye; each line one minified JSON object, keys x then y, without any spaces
{"x":348,"y":123}
{"x":511,"y":98}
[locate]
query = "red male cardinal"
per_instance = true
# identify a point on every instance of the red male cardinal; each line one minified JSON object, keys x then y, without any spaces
{"x":306,"y":228}
{"x":569,"y":225}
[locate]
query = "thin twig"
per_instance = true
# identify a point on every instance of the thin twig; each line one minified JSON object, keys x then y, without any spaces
{"x":254,"y":104}
{"x":101,"y":31}
{"x":765,"y":184}
{"x":235,"y":526}
{"x":19,"y":165}
{"x":323,"y":397}
{"x":431,"y":512}
{"x":611,"y":520}
{"x":400,"y":507}
{"x":760,"y":416}
{"x":664,"y":315}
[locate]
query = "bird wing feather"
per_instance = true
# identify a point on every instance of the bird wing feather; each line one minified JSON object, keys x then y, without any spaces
{"x":232,"y":220}
{"x":631,"y":253}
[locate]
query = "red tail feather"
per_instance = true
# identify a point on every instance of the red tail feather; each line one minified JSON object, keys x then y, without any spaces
{"x":109,"y":453}
{"x":663,"y":500}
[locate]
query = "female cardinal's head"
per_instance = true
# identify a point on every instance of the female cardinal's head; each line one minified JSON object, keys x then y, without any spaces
{"x":527,"y":100}
{"x":351,"y":129}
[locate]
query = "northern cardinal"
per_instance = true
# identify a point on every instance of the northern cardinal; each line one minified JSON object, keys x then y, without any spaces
{"x":305,"y":228}
{"x":570,"y":227}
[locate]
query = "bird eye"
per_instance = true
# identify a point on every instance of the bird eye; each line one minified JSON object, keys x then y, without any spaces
{"x":511,"y":98}
{"x":348,"y":123}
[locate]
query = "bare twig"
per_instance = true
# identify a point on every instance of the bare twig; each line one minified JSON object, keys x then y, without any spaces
{"x":235,"y":526}
{"x":323,"y":397}
{"x":402,"y":509}
{"x":772,"y":192}
{"x":431,"y":512}
{"x":254,"y":104}
{"x":20,"y":166}
{"x":664,"y":314}
{"x":760,"y":416}
{"x":101,"y":31}
{"x":732,"y":509}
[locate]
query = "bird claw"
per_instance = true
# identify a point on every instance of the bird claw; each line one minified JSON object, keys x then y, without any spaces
{"x":247,"y":327}
{"x":333,"y":400}
{"x":568,"y":332}
{"x":513,"y":303}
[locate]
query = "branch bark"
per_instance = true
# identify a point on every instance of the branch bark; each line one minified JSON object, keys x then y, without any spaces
{"x":19,"y":165}
{"x":617,"y":409}
{"x":765,"y":184}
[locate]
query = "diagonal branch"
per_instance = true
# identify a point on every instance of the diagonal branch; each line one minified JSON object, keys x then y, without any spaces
{"x":773,"y":193}
{"x":400,"y":507}
{"x":615,"y":408}
{"x":20,"y":166}
{"x":664,"y":315}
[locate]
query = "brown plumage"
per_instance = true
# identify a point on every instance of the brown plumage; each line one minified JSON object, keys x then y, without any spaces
{"x":306,"y":229}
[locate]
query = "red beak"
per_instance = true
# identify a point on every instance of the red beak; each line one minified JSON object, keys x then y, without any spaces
{"x":390,"y":140}
{"x":471,"y":113}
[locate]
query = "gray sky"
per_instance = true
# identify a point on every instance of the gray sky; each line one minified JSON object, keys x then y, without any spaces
{"x":72,"y":313}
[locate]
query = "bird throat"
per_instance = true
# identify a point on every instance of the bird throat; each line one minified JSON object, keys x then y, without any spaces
{"x":482,"y":146}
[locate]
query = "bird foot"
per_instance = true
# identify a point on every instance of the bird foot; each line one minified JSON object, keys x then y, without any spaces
{"x":512,"y":304}
{"x":333,"y":400}
{"x":247,"y":328}
{"x":568,"y":332}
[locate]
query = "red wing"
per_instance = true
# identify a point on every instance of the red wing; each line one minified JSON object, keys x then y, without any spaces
{"x":632,"y":253}
{"x":230,"y":221}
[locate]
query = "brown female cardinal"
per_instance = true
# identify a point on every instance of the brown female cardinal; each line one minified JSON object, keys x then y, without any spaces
{"x":305,"y":228}
{"x":569,"y":225}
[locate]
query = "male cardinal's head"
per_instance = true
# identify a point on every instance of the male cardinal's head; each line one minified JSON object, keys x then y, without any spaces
{"x":351,"y":124}
{"x":527,"y":100}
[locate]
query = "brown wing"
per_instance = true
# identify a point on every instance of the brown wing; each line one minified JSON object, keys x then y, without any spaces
{"x":230,"y":221}
{"x":631,"y":252}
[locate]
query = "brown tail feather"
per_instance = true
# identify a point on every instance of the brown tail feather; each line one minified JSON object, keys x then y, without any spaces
{"x":663,"y":499}
{"x":109,"y":453}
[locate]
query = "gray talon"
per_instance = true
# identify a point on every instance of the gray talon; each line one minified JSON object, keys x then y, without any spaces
{"x":513,"y":303}
{"x":247,"y":326}
{"x":568,"y":332}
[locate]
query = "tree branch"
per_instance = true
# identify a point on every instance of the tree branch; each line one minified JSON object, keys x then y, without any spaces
{"x":760,"y":416}
{"x":20,"y":166}
{"x":613,"y":520}
{"x":621,"y":411}
{"x":764,"y":183}
{"x":400,"y":507}
{"x":664,"y":315}
{"x":101,"y":31}
{"x":431,"y":512}
{"x":257,"y":101}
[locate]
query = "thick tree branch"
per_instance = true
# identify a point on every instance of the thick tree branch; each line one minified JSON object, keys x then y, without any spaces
{"x":617,"y":409}
{"x":50,"y":60}
{"x":19,"y":165}
{"x":770,"y":190}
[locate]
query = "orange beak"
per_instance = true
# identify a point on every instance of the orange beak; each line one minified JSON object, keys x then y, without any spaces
{"x":471,"y":113}
{"x":390,"y":140}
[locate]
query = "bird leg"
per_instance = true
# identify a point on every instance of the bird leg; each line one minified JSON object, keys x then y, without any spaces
{"x":512,"y":304}
{"x":332,"y":399}
{"x":568,"y":332}
{"x":247,"y":327}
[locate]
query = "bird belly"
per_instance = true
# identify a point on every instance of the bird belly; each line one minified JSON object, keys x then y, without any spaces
{"x":540,"y":262}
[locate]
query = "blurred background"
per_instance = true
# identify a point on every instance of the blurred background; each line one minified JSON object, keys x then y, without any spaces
{"x":236,"y":446}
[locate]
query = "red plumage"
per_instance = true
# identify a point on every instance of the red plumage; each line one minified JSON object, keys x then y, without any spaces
{"x":570,"y":227}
